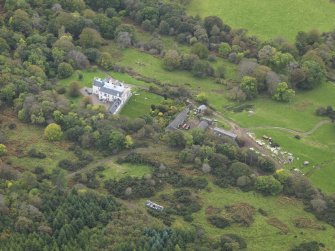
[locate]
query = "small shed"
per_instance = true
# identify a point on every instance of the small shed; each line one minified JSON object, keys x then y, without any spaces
{"x":201,"y":109}
{"x":203,"y":125}
{"x":154,"y":206}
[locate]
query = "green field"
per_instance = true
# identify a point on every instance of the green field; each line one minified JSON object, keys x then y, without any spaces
{"x":115,"y":171}
{"x":260,"y":235}
{"x":270,"y":18}
{"x":317,"y":147}
{"x":151,"y":66}
{"x":298,"y":115}
{"x":140,"y":104}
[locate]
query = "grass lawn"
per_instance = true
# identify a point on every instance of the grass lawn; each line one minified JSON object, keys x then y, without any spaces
{"x":270,"y":18}
{"x":140,"y":104}
{"x":260,"y":235}
{"x":298,"y":115}
{"x":114,"y":170}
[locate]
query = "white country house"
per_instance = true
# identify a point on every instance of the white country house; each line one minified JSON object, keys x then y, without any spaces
{"x":111,"y":90}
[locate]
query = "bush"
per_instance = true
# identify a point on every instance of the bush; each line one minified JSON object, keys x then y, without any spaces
{"x":268,"y":185}
{"x":53,"y":132}
{"x":36,"y":154}
{"x":3,"y":149}
{"x":61,"y":90}
{"x":12,"y":126}
{"x":228,"y":240}
{"x":218,"y":221}
{"x":74,"y":89}
{"x":307,"y":246}
{"x":67,"y":164}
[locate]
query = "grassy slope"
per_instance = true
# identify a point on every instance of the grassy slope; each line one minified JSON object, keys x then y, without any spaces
{"x":25,"y":137}
{"x":150,"y":66}
{"x":298,"y":115}
{"x":261,"y":236}
{"x":270,"y":18}
{"x":318,"y":149}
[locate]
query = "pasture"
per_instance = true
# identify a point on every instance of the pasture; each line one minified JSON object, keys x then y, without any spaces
{"x":269,"y":19}
{"x":298,"y":115}
{"x":260,"y":235}
{"x":317,"y":148}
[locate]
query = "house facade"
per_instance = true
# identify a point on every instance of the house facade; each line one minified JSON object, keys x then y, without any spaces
{"x":113,"y":91}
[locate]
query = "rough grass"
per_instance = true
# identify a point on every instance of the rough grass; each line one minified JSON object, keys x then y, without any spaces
{"x":270,"y":18}
{"x":25,"y":137}
{"x":298,"y":115}
{"x":139,"y":104}
{"x":318,"y":149}
{"x":116,"y":171}
{"x":260,"y":235}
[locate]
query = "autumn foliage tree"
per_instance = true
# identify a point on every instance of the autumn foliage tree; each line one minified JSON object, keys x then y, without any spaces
{"x":53,"y":132}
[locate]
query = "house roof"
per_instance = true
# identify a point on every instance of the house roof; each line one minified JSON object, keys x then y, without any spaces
{"x":153,"y":205}
{"x":111,"y":91}
{"x":98,"y":82}
{"x":114,"y":106}
{"x":203,"y":125}
{"x":181,"y":117}
{"x":224,"y":132}
{"x":110,"y":86}
{"x":202,"y":107}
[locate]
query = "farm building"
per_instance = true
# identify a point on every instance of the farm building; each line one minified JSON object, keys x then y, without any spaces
{"x":203,"y":125}
{"x":154,"y":206}
{"x":179,"y":120}
{"x":201,"y":109}
{"x":111,"y":90}
{"x":225,"y":133}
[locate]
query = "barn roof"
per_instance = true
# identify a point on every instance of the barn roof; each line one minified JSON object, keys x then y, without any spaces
{"x":225,"y":132}
{"x":180,"y":119}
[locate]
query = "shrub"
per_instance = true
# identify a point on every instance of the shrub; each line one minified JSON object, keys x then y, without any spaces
{"x":53,"y":132}
{"x":228,"y":240}
{"x":36,"y":154}
{"x":12,"y":126}
{"x":74,"y":89}
{"x":3,"y":149}
{"x":268,"y":185}
{"x":67,"y":164}
{"x":218,"y":221}
{"x":307,"y":246}
{"x":242,"y":213}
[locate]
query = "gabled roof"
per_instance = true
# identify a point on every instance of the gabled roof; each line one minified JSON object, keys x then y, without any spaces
{"x":153,"y":205}
{"x":110,"y":86}
{"x":98,"y":82}
{"x":111,"y":91}
{"x":202,"y":108}
{"x":180,"y":119}
{"x":203,"y":125}
{"x":225,"y":133}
